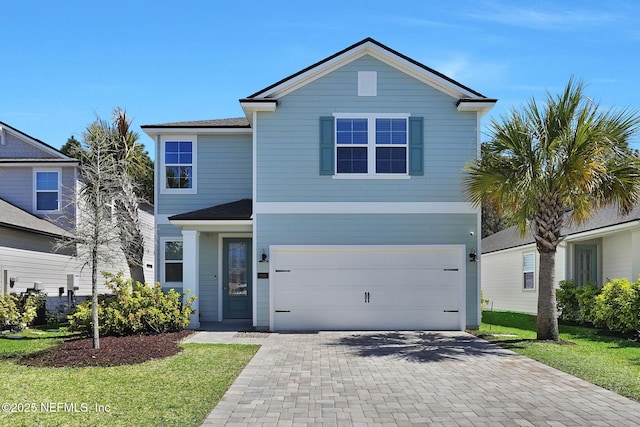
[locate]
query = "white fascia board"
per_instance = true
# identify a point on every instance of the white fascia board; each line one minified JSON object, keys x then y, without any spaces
{"x":590,"y":234}
{"x":365,"y":208}
{"x":482,"y":107}
{"x":215,"y":225}
{"x":43,"y":164}
{"x":377,"y":52}
{"x":153,"y":132}
{"x":527,"y":246}
{"x":255,"y":106}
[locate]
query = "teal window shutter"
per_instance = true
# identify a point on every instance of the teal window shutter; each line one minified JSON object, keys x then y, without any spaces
{"x":416,"y":146}
{"x":327,"y":150}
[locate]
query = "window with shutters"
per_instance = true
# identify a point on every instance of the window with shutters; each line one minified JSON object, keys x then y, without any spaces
{"x":370,"y":145}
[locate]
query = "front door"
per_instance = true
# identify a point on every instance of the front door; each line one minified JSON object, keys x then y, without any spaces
{"x":585,"y":264}
{"x":236,"y":289}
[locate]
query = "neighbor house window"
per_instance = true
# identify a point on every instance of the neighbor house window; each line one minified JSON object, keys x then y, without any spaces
{"x":371,"y":145}
{"x":47,"y":191}
{"x":528,"y":270}
{"x":173,"y":261}
{"x":178,"y":173}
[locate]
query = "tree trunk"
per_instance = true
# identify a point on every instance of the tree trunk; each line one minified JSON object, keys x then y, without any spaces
{"x":94,"y":297}
{"x":131,"y":238}
{"x":137,"y":273}
{"x":547,"y":323}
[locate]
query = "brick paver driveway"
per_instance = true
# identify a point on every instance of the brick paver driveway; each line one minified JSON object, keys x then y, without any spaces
{"x":408,"y":378}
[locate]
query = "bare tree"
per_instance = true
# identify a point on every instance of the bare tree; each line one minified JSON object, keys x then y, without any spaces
{"x":94,"y":236}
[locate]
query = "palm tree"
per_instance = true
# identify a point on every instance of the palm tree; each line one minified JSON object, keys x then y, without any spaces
{"x":127,"y":156}
{"x":565,"y":156}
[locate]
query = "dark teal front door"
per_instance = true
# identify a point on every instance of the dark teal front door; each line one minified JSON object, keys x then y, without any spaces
{"x":236,"y":287}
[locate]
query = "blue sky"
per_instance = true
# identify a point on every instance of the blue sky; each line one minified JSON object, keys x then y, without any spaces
{"x":64,"y":62}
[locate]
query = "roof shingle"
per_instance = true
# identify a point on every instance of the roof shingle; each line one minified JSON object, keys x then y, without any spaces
{"x":605,"y":217}
{"x":238,"y":210}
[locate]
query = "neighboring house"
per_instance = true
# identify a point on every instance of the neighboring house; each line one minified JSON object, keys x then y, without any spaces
{"x":336,"y":203}
{"x":607,"y":246}
{"x":38,"y":185}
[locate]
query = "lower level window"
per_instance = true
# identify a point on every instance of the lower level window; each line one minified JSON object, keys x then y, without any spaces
{"x":173,"y":261}
{"x":528,"y":270}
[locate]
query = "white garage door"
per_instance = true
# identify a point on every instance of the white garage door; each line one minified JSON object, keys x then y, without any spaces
{"x":367,"y":287}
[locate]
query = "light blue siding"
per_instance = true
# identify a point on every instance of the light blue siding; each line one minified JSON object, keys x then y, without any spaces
{"x":380,"y":229}
{"x":224,"y":165}
{"x":287,"y":146}
{"x":208,"y":286}
{"x":208,"y":273}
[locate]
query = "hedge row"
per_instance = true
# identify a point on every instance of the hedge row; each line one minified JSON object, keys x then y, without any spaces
{"x":615,"y":306}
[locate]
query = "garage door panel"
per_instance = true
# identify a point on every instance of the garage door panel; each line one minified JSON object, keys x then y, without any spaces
{"x":366,"y":288}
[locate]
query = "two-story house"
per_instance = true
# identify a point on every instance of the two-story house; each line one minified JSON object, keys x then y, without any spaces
{"x":335,"y":203}
{"x":38,"y":187}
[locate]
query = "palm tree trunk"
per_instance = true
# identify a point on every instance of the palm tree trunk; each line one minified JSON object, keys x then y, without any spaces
{"x":547,"y":323}
{"x":137,"y":273}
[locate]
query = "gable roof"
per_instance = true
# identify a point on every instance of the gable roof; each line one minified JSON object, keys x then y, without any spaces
{"x":376,"y":49}
{"x":238,"y":210}
{"x":31,"y":140}
{"x":15,"y":218}
{"x":601,"y":220}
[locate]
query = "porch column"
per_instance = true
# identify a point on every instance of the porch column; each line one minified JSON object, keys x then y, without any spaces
{"x":190,"y":271}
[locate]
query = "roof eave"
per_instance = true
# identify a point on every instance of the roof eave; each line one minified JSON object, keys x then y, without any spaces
{"x":481,"y":106}
{"x":154,"y":131}
{"x":250,"y":106}
{"x":244,"y":225}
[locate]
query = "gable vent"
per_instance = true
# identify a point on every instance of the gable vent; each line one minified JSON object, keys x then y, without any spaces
{"x":367,"y":83}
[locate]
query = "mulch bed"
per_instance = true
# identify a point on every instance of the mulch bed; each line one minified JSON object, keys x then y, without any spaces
{"x":114,"y":351}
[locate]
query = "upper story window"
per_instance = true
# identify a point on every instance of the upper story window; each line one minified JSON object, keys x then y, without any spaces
{"x":47,"y":190}
{"x":179,"y":169}
{"x":371,"y":145}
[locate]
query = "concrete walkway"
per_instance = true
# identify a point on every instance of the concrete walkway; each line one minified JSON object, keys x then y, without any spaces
{"x":405,"y":378}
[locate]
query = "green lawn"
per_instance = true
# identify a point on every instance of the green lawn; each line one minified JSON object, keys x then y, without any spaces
{"x":176,"y":391}
{"x":610,"y":362}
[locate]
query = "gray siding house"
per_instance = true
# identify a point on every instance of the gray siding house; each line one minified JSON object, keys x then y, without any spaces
{"x":38,"y":186}
{"x":335,"y":203}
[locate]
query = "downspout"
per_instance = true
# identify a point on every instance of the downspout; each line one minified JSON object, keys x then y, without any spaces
{"x":2,"y":141}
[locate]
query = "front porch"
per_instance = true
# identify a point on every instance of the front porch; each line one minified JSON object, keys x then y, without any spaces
{"x":218,"y":264}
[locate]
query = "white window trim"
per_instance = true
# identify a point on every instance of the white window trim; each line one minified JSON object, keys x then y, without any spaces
{"x":35,"y":190}
{"x":163,"y":242}
{"x":371,"y":146}
{"x":194,"y":165}
{"x":529,"y":271}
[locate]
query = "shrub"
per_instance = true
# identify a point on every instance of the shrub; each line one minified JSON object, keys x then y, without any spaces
{"x":618,"y":306}
{"x":587,"y":301}
{"x":576,"y":303}
{"x":19,"y":311}
{"x":8,"y":310}
{"x":134,"y":308}
{"x":567,"y":301}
